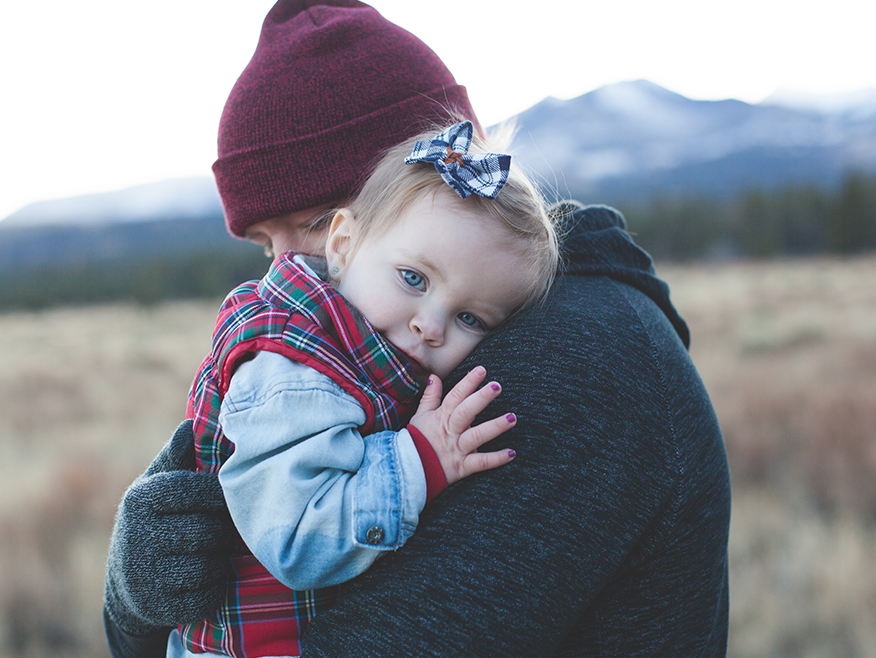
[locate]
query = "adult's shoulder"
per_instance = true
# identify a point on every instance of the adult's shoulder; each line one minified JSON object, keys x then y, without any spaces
{"x":595,"y":242}
{"x":607,"y":303}
{"x":601,"y":361}
{"x":591,"y":324}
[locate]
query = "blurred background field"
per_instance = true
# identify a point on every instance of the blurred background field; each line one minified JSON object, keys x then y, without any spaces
{"x":787,"y":350}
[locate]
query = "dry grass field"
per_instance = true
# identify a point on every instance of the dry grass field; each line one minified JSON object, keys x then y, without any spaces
{"x":787,"y":350}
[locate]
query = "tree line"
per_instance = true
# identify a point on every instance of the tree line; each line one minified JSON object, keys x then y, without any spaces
{"x":799,"y":220}
{"x":205,"y":274}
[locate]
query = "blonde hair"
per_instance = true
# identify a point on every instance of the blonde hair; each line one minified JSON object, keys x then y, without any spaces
{"x":394,"y":186}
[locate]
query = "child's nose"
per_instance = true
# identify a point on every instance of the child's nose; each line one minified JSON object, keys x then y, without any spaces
{"x":429,"y":328}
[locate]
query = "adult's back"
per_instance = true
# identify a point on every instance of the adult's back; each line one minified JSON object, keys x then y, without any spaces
{"x":607,"y":536}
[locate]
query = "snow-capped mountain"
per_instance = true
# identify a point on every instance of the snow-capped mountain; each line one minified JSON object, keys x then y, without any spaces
{"x":622,"y":142}
{"x":179,"y":198}
{"x":860,"y":104}
{"x":636,"y":139}
{"x":176,"y":216}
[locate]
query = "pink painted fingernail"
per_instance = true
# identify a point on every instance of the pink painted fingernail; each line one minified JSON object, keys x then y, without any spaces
{"x":429,"y":381}
{"x":512,"y":454}
{"x":511,"y":418}
{"x":495,"y":386}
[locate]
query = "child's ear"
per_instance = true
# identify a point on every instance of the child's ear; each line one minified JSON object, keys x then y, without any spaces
{"x":340,"y":241}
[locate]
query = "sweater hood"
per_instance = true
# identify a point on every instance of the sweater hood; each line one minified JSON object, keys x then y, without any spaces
{"x":595,"y":242}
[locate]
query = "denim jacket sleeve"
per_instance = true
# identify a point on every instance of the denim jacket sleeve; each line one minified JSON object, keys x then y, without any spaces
{"x":315,"y":501}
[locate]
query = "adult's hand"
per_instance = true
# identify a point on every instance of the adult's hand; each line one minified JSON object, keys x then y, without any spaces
{"x":170,"y":546}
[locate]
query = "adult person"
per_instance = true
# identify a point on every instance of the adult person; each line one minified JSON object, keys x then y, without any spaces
{"x":607,"y":536}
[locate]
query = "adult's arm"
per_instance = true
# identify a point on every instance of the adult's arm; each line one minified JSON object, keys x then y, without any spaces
{"x":607,"y":534}
{"x":168,"y":552}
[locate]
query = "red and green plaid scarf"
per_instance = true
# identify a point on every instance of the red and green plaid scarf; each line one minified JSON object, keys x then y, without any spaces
{"x":303,"y":318}
{"x":295,"y":314}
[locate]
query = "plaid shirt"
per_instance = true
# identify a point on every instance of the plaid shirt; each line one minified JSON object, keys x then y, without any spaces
{"x":294,"y":314}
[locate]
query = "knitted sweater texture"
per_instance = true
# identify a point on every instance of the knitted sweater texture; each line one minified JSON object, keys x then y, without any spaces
{"x":607,"y":535}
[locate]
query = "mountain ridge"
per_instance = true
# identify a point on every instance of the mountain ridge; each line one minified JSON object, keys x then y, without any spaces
{"x":636,"y":139}
{"x":625,"y":141}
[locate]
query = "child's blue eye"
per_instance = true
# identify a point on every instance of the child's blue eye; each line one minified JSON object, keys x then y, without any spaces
{"x":469,"y":320}
{"x":414,"y":279}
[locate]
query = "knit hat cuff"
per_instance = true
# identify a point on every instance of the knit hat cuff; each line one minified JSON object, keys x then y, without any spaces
{"x":274,"y":180}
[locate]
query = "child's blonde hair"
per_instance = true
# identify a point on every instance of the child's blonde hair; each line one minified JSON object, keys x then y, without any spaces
{"x":393,"y":186}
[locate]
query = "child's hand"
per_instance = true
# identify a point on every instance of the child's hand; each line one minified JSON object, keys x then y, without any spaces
{"x":447,"y":425}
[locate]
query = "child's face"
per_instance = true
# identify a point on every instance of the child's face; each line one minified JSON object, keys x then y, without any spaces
{"x":436,"y":282}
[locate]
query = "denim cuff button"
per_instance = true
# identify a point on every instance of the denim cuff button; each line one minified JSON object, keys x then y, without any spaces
{"x":374,"y":535}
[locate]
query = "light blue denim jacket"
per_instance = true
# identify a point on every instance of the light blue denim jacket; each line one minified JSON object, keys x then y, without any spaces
{"x":315,"y":501}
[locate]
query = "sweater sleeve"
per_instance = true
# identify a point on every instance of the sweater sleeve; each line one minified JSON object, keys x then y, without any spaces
{"x":315,"y":501}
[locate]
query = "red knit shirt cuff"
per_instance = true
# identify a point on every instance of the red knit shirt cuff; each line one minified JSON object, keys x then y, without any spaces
{"x":436,"y":481}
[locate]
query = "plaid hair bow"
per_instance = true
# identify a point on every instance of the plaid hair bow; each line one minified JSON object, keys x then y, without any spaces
{"x":483,"y":174}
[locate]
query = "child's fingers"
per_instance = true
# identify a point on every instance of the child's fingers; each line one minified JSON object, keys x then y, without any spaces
{"x":475,"y":437}
{"x":467,"y":410}
{"x":431,"y":399}
{"x":484,"y":461}
{"x":464,"y":388}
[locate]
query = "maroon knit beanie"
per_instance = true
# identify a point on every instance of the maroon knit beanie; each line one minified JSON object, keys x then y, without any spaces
{"x":331,"y":84}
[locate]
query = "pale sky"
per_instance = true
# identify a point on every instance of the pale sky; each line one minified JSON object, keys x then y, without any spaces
{"x":98,"y":95}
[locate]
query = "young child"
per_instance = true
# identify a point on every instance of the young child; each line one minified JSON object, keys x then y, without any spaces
{"x":304,"y":404}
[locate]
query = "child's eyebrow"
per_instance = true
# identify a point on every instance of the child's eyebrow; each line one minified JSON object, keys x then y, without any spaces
{"x":421,"y":260}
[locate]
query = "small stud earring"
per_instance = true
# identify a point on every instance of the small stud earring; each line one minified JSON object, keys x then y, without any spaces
{"x":335,"y":271}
